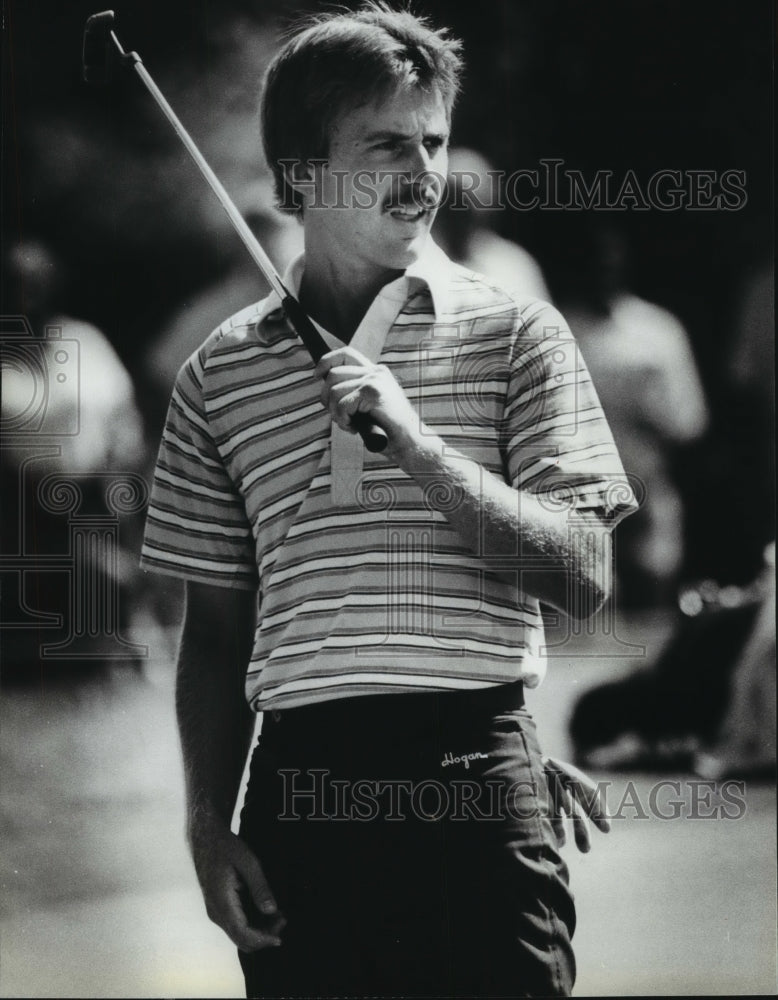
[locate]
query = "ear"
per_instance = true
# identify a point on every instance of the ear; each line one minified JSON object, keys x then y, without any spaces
{"x":303,"y":176}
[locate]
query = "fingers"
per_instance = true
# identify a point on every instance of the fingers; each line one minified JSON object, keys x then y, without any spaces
{"x":563,"y":804}
{"x":256,"y":885}
{"x":352,"y":384}
{"x":572,"y":781}
{"x":237,"y":896}
{"x":262,"y":922}
{"x":558,"y":824}
{"x":574,"y":794}
{"x":347,"y":398}
{"x":580,"y":829}
{"x":560,"y":795}
{"x":598,"y":813}
{"x":343,"y":373}
{"x":226,"y":907}
{"x":559,"y":801}
{"x":342,"y":357}
{"x":592,"y":799}
{"x":347,"y":385}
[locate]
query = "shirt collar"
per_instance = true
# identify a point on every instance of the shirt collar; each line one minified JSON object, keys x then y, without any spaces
{"x":431,"y":271}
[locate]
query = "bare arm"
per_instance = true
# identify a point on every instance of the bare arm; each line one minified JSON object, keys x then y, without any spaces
{"x":568,"y":567}
{"x":565,"y":566}
{"x":215,"y":726}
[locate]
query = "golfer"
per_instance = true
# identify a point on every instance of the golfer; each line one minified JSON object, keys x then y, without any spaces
{"x":382,"y":611}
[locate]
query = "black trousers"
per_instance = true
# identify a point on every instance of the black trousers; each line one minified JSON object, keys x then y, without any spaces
{"x":407,"y":841}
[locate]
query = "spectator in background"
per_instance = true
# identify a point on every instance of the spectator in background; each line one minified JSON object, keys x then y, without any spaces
{"x":464,"y":228}
{"x":753,"y":359}
{"x":720,"y":660}
{"x":746,"y":738}
{"x":746,"y":743}
{"x":714,"y":666}
{"x":68,"y":409}
{"x":109,"y":424}
{"x":647,"y":379}
{"x":750,"y":414}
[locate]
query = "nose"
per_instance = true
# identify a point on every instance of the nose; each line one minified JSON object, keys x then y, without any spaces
{"x":419,"y":160}
{"x":430,"y":189}
{"x":423,"y":177}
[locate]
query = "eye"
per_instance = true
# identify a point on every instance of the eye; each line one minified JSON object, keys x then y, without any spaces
{"x":434,"y":143}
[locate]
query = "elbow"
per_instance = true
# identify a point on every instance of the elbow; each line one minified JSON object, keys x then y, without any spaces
{"x":586,"y":599}
{"x":578,"y":599}
{"x":589,"y":585}
{"x":590,"y":580}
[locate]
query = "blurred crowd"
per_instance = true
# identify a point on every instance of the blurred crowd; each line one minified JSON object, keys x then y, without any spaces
{"x":137,"y":289}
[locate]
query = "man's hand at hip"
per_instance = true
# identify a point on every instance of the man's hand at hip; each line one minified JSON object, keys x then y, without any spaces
{"x":574,"y":794}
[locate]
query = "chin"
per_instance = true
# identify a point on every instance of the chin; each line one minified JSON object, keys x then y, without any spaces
{"x":406,"y":253}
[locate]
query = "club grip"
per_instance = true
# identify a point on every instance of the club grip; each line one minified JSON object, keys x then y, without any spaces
{"x":371,"y":433}
{"x":374,"y":436}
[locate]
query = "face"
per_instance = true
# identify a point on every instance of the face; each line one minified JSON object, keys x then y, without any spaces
{"x":372,"y":205}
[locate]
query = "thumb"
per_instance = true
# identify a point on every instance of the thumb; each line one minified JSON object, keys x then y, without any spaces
{"x":255,"y":882}
{"x":558,"y":825}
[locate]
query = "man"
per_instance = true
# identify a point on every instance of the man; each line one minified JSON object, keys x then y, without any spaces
{"x":382,"y":611}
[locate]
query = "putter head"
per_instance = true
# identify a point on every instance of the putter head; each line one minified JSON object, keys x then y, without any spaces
{"x":100,"y":55}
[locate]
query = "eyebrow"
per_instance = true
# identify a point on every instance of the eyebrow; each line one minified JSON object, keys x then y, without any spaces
{"x":402,"y":136}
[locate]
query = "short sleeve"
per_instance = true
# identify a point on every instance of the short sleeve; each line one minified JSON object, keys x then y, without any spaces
{"x":196,"y":525}
{"x":557,"y":440}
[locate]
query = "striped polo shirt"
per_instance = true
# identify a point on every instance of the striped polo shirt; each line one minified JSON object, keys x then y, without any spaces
{"x":363,"y":586}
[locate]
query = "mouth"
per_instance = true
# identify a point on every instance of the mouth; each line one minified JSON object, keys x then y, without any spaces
{"x":407,"y":213}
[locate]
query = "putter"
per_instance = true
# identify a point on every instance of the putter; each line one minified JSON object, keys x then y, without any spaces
{"x":102,"y":53}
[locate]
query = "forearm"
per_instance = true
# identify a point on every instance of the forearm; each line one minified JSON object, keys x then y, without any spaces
{"x":215,"y":723}
{"x":215,"y":732}
{"x":560,"y":557}
{"x":562,"y":562}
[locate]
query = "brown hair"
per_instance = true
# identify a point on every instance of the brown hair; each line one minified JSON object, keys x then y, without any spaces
{"x":340,"y":61}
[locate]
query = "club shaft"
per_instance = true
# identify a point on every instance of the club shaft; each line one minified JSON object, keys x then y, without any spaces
{"x":373,"y":435}
{"x":240,"y":225}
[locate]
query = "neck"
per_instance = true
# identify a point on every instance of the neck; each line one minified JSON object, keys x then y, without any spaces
{"x":338,"y":297}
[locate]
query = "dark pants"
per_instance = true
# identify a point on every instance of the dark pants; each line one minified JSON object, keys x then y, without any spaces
{"x":402,"y":870}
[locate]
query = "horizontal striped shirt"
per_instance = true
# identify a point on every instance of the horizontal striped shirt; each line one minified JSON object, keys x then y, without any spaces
{"x":364,"y":587}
